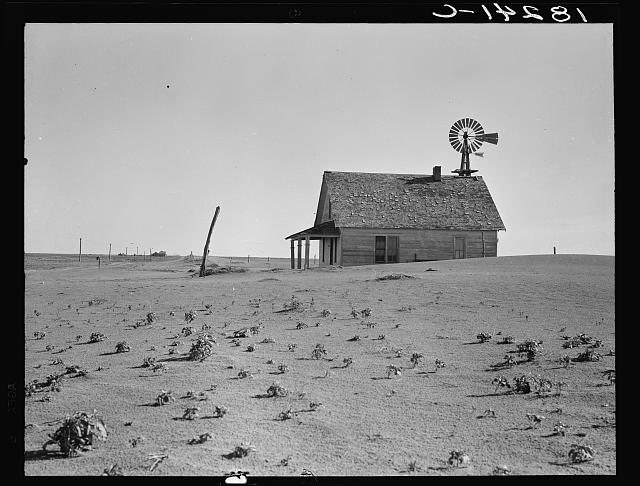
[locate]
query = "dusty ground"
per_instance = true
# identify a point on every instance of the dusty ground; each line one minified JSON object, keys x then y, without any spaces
{"x":368,"y":424}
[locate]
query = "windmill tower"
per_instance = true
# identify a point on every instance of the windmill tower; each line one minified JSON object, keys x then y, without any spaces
{"x":466,"y":136}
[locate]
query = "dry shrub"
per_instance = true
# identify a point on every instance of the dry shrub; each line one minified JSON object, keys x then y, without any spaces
{"x":148,"y":361}
{"x":483,"y":337}
{"x":416,"y":358}
{"x":201,"y":349}
{"x":318,"y":352}
{"x":241,"y":451}
{"x":301,"y":325}
{"x":191,"y":413}
{"x":588,"y":355}
{"x":580,"y":453}
{"x":122,"y":347}
{"x":242,"y":333}
{"x":201,"y":439}
{"x":275,"y":390}
{"x":164,"y":397}
{"x":190,"y":316}
{"x":96,"y":337}
{"x":501,"y":382}
{"x":506,"y":340}
{"x":187,"y":331}
{"x":114,"y":470}
{"x":219,"y":411}
{"x":39,"y":335}
{"x":393,"y":370}
{"x":458,"y":458}
{"x":325,"y":313}
{"x":531,"y":349}
{"x":286,"y":415}
{"x":293,"y":305}
{"x":78,"y":433}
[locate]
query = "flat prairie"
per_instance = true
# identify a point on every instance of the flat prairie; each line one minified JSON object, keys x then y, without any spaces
{"x":358,"y":405}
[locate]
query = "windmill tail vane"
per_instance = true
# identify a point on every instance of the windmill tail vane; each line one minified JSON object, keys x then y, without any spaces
{"x":467,"y":136}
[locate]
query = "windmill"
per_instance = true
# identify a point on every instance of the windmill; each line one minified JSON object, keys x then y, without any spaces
{"x":466,"y":136}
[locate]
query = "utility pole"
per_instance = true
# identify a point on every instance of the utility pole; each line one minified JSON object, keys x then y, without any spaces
{"x":206,"y":245}
{"x":109,"y":251}
{"x":80,"y":254}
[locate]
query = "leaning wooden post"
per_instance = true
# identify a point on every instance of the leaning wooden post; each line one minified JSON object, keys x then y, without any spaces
{"x":206,"y":245}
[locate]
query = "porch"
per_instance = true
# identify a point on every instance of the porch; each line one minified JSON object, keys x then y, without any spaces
{"x":329,"y":237}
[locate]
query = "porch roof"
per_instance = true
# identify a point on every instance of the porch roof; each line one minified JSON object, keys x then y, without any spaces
{"x":323,"y":230}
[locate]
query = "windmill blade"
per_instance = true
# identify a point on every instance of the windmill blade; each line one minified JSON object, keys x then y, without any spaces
{"x":457,"y":126}
{"x":476,"y":127}
{"x":488,"y":137}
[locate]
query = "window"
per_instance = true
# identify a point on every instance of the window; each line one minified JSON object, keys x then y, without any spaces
{"x":387,"y":249}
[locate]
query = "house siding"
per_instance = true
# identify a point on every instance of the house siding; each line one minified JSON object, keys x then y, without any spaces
{"x":358,"y":244}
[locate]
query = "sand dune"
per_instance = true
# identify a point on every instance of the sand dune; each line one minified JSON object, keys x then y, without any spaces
{"x":368,"y":423}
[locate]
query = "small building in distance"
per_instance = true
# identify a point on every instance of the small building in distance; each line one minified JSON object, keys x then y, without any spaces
{"x":369,"y":218}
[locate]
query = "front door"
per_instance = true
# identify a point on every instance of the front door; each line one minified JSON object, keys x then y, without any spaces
{"x":392,"y":249}
{"x":458,"y":247}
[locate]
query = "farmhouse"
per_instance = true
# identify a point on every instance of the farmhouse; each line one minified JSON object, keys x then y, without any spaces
{"x":369,"y":218}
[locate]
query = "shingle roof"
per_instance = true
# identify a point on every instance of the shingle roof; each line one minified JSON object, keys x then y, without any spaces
{"x":370,"y":200}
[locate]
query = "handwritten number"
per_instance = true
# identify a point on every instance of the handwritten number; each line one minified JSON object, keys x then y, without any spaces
{"x":453,"y":14}
{"x":530,"y":15}
{"x":560,"y":11}
{"x":486,"y":10}
{"x":584,"y":19}
{"x":506,"y":13}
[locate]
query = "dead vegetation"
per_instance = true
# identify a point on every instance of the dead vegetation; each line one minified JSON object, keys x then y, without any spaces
{"x":201,"y":439}
{"x":201,"y":349}
{"x":581,"y":453}
{"x":122,"y":347}
{"x":78,"y":433}
{"x":96,"y":337}
{"x":394,"y":276}
{"x":164,"y":398}
{"x":484,"y":337}
{"x":458,"y":458}
{"x":319,"y":352}
{"x":275,"y":390}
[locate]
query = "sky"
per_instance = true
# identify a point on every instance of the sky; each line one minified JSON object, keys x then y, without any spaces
{"x":134,"y":133}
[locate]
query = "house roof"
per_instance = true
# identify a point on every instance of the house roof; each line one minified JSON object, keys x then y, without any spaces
{"x":371,"y":200}
{"x":321,"y":230}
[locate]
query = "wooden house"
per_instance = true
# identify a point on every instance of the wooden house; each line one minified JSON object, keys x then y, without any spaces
{"x":369,"y":218}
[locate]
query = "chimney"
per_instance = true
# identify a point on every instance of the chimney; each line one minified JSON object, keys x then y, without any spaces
{"x":437,"y":171}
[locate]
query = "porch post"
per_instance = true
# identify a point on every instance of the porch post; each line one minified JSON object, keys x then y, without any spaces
{"x":306,"y":252}
{"x":299,"y":253}
{"x":338,"y":251}
{"x":293,"y":257}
